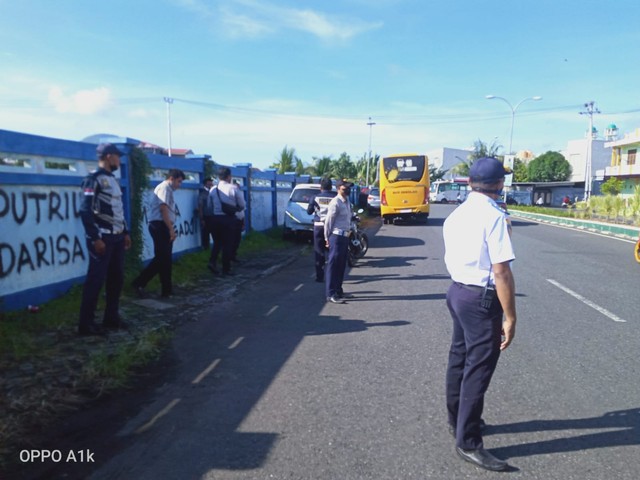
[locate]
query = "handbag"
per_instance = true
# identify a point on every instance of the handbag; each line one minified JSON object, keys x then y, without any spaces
{"x":227,"y":208}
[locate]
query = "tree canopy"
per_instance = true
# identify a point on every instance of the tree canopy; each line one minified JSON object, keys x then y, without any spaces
{"x":549,"y":167}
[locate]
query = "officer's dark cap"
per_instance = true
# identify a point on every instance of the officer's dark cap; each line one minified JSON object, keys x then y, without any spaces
{"x":487,"y":170}
{"x":344,"y":183}
{"x":105,"y":149}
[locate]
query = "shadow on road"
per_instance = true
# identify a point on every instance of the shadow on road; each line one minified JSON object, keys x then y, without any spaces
{"x":625,"y":422}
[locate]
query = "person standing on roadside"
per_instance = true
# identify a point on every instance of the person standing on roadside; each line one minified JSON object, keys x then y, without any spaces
{"x":107,"y":239}
{"x":481,"y":300}
{"x":203,"y":197}
{"x":337,"y":225}
{"x":238,"y":226}
{"x":227,"y":201}
{"x":318,"y":206}
{"x":162,"y":217}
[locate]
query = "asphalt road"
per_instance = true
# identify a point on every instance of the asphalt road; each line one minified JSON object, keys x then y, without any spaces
{"x":277,"y":384}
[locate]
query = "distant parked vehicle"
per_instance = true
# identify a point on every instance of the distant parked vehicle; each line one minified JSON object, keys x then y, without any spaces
{"x":373,"y":200}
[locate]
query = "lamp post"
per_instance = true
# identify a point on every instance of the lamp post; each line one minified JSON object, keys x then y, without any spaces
{"x":371,"y":124}
{"x":513,"y":112}
{"x":169,"y":101}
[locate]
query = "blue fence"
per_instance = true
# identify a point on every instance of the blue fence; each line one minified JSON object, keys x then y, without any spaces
{"x":42,"y":246}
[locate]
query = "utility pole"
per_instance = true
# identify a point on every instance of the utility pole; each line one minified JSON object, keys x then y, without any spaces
{"x":371,"y":124}
{"x":590,"y":109}
{"x":169,"y":101}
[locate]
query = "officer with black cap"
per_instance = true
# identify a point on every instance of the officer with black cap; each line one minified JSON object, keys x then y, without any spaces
{"x":481,"y":300}
{"x":107,"y":237}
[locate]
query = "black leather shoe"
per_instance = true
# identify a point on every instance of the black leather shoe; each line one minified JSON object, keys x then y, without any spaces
{"x":335,"y":299}
{"x":483,"y":459}
{"x":91,"y":331}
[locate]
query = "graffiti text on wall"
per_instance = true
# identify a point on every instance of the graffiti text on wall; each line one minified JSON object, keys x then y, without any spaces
{"x":28,"y":218}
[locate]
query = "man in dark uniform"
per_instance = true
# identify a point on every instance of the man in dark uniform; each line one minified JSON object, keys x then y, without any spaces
{"x":203,"y":197}
{"x":481,"y":300}
{"x":107,"y":238}
{"x":337,"y":226}
{"x":318,"y":205}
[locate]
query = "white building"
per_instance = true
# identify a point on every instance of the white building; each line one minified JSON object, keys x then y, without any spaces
{"x":576,"y":155}
{"x":445,"y":158}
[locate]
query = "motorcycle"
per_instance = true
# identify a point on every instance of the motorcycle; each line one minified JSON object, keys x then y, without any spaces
{"x":358,"y":241}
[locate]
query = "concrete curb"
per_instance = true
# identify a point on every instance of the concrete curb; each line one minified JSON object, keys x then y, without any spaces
{"x":626,"y":232}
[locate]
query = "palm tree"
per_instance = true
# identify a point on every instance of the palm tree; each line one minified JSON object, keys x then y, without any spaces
{"x":287,"y":161}
{"x":322,"y":166}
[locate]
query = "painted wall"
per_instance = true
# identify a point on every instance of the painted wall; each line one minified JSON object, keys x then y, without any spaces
{"x":42,"y":242}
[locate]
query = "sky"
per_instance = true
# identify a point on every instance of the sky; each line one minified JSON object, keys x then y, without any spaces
{"x":248,"y":78}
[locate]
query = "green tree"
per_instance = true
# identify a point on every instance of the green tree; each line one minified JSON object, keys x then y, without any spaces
{"x":549,"y":167}
{"x":321,"y":166}
{"x":300,"y":168}
{"x":436,"y":174}
{"x":480,"y":149}
{"x":520,"y":171}
{"x":361,"y":169}
{"x":287,"y":161}
{"x":613,"y":186}
{"x":344,"y":167}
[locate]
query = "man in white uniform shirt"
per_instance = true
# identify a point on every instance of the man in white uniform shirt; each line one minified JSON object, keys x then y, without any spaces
{"x":162,"y":217}
{"x":481,"y":300}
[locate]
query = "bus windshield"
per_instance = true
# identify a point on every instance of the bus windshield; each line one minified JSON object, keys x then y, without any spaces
{"x":407,"y":168}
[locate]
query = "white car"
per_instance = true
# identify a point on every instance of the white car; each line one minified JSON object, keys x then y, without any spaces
{"x":297,"y":221}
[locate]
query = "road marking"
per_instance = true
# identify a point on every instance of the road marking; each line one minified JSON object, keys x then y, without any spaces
{"x":206,"y":371}
{"x":586,"y":301}
{"x":160,"y":414}
{"x":273,"y":309}
{"x":298,"y":287}
{"x":236,"y":343}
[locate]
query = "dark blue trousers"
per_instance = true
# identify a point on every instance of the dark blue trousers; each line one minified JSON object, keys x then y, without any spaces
{"x":336,"y":265}
{"x":108,"y":268}
{"x":473,"y":356}
{"x":162,"y":262}
{"x":223,"y":229}
{"x":320,"y":251}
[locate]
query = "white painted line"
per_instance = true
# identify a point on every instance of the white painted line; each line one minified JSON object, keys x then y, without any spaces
{"x":273,"y":309}
{"x":298,"y":287}
{"x":160,"y":414}
{"x":586,"y":301}
{"x":206,"y":371}
{"x":236,"y":343}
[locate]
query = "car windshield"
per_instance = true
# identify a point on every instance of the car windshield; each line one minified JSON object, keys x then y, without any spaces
{"x":303,"y":195}
{"x":375,"y":192}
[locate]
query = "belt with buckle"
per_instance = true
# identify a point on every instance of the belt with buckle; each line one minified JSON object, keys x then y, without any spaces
{"x":340,"y":232}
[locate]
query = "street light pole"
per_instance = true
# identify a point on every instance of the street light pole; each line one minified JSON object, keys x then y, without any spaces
{"x":169,"y":101}
{"x":371,"y":124}
{"x":590,"y":109}
{"x":513,"y":113}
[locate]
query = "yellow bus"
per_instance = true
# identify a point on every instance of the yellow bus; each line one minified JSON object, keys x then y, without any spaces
{"x":404,"y":187}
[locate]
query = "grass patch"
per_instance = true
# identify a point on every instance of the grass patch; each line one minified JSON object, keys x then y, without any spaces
{"x":19,"y":330}
{"x":107,"y":370}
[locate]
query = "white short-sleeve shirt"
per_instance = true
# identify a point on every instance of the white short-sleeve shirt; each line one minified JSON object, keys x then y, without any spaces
{"x":476,"y":237}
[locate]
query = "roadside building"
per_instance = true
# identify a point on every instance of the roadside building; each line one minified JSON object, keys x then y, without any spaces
{"x":624,"y":164}
{"x":446,"y":158}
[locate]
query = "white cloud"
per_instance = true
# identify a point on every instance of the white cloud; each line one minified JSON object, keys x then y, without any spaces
{"x":83,"y":102}
{"x":249,"y":18}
